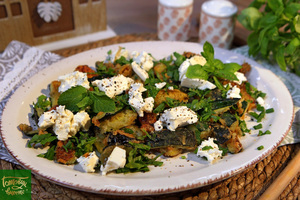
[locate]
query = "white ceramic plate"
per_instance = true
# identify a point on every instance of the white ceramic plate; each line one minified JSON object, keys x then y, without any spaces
{"x":176,"y":174}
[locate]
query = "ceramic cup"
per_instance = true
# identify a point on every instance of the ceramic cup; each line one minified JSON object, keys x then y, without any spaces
{"x":217,"y":20}
{"x":174,"y":19}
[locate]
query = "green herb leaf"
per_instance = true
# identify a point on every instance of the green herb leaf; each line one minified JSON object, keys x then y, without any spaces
{"x":260,"y":147}
{"x":41,"y":139}
{"x":258,"y":126}
{"x":249,"y":18}
{"x":72,"y":97}
{"x":197,"y":72}
{"x":42,"y":102}
{"x":102,"y":103}
{"x":49,"y":154}
{"x":206,"y":148}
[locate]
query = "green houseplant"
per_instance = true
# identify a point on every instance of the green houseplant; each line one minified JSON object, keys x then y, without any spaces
{"x":275,"y":31}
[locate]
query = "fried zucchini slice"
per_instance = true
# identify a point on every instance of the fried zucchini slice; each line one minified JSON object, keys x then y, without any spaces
{"x":180,"y":139}
{"x":173,"y":94}
{"x":118,"y":121}
{"x":54,"y":94}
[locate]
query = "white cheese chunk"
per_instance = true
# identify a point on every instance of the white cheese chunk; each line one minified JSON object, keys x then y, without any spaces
{"x":241,"y":78}
{"x":136,"y":99}
{"x":176,"y":117}
{"x":210,"y":154}
{"x":116,"y":160}
{"x":171,"y":88}
{"x":65,"y":123}
{"x":113,"y":86}
{"x":47,"y":119}
{"x":142,"y":63}
{"x":233,"y":93}
{"x":160,"y":85}
{"x":87,"y":163}
{"x":73,"y":79}
{"x":158,"y":125}
{"x":143,"y":74}
{"x":143,"y":59}
{"x":82,"y":120}
{"x":197,"y":83}
{"x":113,"y":56}
{"x":260,"y":101}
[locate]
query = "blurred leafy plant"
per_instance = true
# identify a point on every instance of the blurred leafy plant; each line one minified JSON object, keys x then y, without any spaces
{"x":275,"y":26}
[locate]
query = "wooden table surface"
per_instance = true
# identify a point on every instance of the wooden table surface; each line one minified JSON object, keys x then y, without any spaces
{"x":132,"y":16}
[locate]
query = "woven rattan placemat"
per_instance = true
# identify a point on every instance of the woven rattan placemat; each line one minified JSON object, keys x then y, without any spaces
{"x":249,"y":184}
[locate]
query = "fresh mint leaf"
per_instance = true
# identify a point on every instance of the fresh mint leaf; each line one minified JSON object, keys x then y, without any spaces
{"x":208,"y":51}
{"x":275,"y":30}
{"x":196,"y":72}
{"x":228,"y":71}
{"x":72,"y":97}
{"x":102,"y":103}
{"x":249,"y":18}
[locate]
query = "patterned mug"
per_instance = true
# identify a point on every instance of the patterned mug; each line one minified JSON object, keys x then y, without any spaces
{"x":174,"y":19}
{"x":217,"y":22}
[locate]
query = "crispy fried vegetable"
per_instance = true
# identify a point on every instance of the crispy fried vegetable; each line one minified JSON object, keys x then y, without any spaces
{"x":54,"y":94}
{"x":181,"y":138}
{"x":121,"y":119}
{"x":63,"y":155}
{"x":160,"y":71}
{"x":86,"y":69}
{"x":173,"y":94}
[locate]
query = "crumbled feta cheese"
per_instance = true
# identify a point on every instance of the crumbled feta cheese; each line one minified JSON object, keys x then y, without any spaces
{"x":73,"y":79}
{"x":160,"y":85}
{"x":113,"y":56}
{"x":143,"y":59}
{"x":210,"y":154}
{"x":193,"y":83}
{"x":241,"y":78}
{"x":197,"y":83}
{"x":116,"y":160}
{"x":136,"y":99}
{"x":113,"y":86}
{"x":139,"y":71}
{"x":171,"y":88}
{"x":158,"y":125}
{"x":176,"y":117}
{"x":82,"y":120}
{"x":142,"y":63}
{"x":87,"y":163}
{"x":65,"y":123}
{"x":47,"y":119}
{"x":260,"y":101}
{"x":233,"y":93}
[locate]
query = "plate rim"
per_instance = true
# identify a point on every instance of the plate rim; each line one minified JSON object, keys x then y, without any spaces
{"x":147,"y":192}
